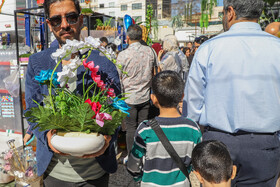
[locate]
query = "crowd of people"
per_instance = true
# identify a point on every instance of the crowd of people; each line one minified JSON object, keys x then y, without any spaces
{"x":216,"y":100}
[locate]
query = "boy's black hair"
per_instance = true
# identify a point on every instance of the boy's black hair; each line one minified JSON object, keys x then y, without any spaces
{"x":47,"y":4}
{"x":103,"y":39}
{"x":168,"y":87}
{"x":212,"y":161}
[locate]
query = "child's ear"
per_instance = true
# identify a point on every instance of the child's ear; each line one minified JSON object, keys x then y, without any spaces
{"x":154,"y":99}
{"x":198,"y":176}
{"x":234,"y":169}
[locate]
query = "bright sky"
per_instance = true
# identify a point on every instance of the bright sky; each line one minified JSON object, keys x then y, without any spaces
{"x":220,"y":2}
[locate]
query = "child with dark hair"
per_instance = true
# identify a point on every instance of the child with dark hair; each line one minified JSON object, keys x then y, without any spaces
{"x":148,"y":160}
{"x":212,"y":164}
{"x":104,"y":41}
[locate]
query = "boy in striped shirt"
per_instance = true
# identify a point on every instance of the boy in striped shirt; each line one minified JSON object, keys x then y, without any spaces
{"x":148,"y":160}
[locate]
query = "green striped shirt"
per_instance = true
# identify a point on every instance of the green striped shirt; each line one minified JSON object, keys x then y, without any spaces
{"x":151,"y":163}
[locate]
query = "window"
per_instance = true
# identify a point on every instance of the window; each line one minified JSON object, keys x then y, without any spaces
{"x":112,"y":4}
{"x":82,"y":1}
{"x":136,"y":6}
{"x":123,"y":7}
{"x":101,"y":5}
{"x":112,"y":14}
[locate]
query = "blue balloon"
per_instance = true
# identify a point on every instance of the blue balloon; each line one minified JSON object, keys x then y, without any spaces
{"x":127,"y":22}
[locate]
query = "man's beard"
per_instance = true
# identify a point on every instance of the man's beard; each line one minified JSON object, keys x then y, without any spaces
{"x":61,"y":40}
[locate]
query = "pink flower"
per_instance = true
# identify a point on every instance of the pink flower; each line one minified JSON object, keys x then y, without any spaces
{"x":95,"y":106}
{"x":29,"y":173}
{"x":111,"y":92}
{"x":90,"y":66}
{"x":100,"y":117}
{"x":8,"y":155}
{"x":7,"y":167}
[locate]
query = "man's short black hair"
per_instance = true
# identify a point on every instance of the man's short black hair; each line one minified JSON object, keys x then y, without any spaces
{"x":103,"y":39}
{"x":134,"y":32}
{"x":168,"y":87}
{"x":201,"y":39}
{"x":47,"y":4}
{"x":212,"y":161}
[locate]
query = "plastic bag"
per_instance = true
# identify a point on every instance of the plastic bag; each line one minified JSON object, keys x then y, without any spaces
{"x":12,"y":83}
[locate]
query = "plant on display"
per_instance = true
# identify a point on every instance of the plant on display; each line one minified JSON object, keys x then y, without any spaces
{"x":98,"y":109}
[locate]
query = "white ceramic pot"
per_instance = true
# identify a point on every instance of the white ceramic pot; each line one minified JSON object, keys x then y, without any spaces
{"x":77,"y":143}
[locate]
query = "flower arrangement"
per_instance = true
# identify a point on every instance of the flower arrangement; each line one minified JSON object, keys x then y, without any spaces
{"x":20,"y":163}
{"x":98,"y":109}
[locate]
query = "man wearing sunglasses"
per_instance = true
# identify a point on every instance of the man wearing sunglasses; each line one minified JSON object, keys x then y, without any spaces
{"x":65,"y":21}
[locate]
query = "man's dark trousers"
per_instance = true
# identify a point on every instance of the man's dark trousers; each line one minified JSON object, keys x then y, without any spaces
{"x":138,"y":113}
{"x":257,"y":157}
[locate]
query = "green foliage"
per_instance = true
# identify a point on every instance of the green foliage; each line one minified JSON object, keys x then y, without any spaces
{"x":86,"y":11}
{"x":206,"y":12}
{"x":108,"y":22}
{"x":149,"y":15}
{"x":73,"y":115}
{"x":99,"y":23}
{"x":25,"y":55}
{"x":177,"y":21}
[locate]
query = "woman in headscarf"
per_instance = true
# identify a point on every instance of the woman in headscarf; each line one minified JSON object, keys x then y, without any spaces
{"x":169,"y":57}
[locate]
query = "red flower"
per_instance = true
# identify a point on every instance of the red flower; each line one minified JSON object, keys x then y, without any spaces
{"x":90,"y":66}
{"x":95,"y":106}
{"x":111,"y":92}
{"x":99,"y":82}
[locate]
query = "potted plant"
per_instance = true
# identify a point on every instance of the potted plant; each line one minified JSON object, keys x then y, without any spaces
{"x":78,"y":119}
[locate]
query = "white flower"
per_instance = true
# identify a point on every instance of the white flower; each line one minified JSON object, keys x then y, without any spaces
{"x":66,"y":74}
{"x":74,"y":63}
{"x":71,"y":46}
{"x":93,"y":42}
{"x":74,"y":45}
{"x":58,"y":54}
{"x":83,"y":51}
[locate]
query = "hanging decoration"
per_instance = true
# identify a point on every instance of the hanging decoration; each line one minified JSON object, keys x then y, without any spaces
{"x":127,"y":22}
{"x":87,"y":1}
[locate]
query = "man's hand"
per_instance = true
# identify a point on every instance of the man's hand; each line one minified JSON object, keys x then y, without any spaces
{"x":160,"y":54}
{"x":100,"y":152}
{"x":49,"y":136}
{"x":26,"y":138}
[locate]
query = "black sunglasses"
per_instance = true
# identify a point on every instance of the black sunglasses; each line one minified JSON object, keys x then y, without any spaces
{"x":72,"y":18}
